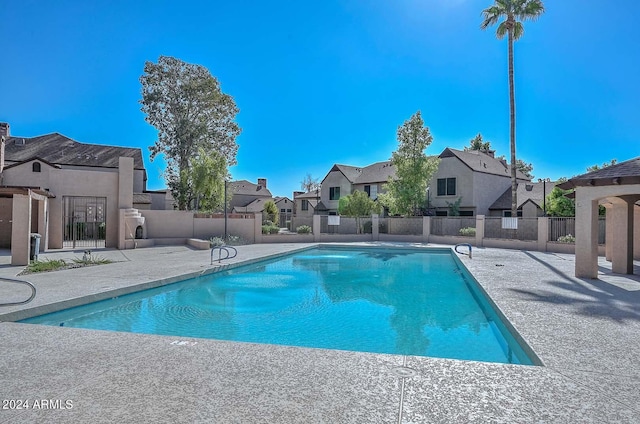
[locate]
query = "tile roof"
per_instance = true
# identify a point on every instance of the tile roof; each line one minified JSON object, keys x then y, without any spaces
{"x":375,"y":173}
{"x":481,"y":162}
{"x":627,"y":172}
{"x":248,"y":188}
{"x":254,"y":207}
{"x":308,"y":195}
{"x":61,"y":150}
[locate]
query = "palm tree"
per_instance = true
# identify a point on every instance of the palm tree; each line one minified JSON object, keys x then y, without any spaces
{"x":514,"y":13}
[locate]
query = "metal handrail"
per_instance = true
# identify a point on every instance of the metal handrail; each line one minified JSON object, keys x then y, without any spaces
{"x":26,"y":283}
{"x":225,"y":249}
{"x":463,"y":245}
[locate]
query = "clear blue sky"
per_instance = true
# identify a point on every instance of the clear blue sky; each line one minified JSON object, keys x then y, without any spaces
{"x":329,"y":81}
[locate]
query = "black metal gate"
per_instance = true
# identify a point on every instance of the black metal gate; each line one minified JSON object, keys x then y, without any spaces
{"x":84,"y":221}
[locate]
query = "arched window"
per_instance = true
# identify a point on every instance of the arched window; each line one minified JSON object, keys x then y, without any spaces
{"x":36,"y":167}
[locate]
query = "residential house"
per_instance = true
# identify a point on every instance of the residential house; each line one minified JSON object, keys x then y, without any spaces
{"x":285,"y":209}
{"x":248,"y":197}
{"x":531,"y":200}
{"x":474,"y":178}
{"x":305,"y":203}
{"x":70,"y":191}
{"x":343,"y":180}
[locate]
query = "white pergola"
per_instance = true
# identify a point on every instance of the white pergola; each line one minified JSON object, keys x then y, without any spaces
{"x":618,"y":187}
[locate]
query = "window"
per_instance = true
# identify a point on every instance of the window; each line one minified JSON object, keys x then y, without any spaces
{"x":288,"y":210}
{"x":441,"y":213}
{"x":372,"y":191}
{"x":334,"y":193}
{"x":507,"y":214}
{"x":35,"y":167}
{"x":466,"y":213}
{"x":446,"y":186}
{"x":305,"y":205}
{"x":282,"y":210}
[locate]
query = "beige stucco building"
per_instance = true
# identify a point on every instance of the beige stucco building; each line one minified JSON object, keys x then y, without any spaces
{"x":70,"y":193}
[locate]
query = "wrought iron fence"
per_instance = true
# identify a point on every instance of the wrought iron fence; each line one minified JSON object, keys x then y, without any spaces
{"x":564,"y":226}
{"x":84,"y":221}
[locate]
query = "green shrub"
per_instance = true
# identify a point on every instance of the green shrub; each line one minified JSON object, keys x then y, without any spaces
{"x":46,"y":265}
{"x":92,"y":260}
{"x":235,"y":240}
{"x":270,"y":229}
{"x":567,"y":239}
{"x":216,"y":241}
{"x":468,"y":232}
{"x":267,"y":222}
{"x":303,"y":229}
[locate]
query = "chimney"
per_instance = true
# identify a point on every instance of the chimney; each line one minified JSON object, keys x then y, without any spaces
{"x":262,"y":182}
{"x":4,"y":130}
{"x":4,"y":135}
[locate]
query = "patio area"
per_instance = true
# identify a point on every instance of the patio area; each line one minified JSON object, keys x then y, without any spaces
{"x":585,"y":331}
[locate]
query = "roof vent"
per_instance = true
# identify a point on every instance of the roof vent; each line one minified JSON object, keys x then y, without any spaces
{"x":20,"y":142}
{"x":528,"y":187}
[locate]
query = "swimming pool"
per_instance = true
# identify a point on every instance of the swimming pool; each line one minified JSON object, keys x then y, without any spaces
{"x":384,"y":300}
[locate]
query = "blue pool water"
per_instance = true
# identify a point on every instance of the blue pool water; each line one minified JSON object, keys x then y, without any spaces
{"x":411,"y":302}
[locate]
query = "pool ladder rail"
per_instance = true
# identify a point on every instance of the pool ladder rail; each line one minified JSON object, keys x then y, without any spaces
{"x":463,"y":253}
{"x":229,"y":250}
{"x":26,"y":283}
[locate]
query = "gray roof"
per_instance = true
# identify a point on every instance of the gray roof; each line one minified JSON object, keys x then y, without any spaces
{"x":481,"y":162}
{"x":254,"y":207}
{"x":61,"y":150}
{"x":247,"y":188}
{"x":309,"y":195}
{"x":627,"y":172}
{"x":141,"y":198}
{"x":534,"y":192}
{"x":378,"y":172}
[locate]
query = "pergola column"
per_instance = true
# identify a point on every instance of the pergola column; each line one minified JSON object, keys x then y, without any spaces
{"x":622,"y":235}
{"x":586,"y":235}
{"x":21,"y":229}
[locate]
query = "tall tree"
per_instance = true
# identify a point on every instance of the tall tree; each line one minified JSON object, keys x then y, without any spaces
{"x":185,"y":104}
{"x":406,"y":193}
{"x":477,"y":143}
{"x":309,"y":183}
{"x":206,"y":175}
{"x":604,"y":165}
{"x":358,"y":204}
{"x":514,"y":12}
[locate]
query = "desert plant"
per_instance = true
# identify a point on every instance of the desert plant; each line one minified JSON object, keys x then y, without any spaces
{"x":216,"y":241}
{"x":91,"y":260}
{"x":303,"y":229}
{"x":270,"y":229}
{"x":46,"y":265}
{"x":468,"y":232}
{"x":235,"y":240}
{"x":566,"y":239}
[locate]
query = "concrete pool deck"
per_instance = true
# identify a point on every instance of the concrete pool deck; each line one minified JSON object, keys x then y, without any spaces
{"x":586,"y":332}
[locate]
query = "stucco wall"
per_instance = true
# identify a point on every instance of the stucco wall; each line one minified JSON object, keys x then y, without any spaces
{"x":183,"y":224}
{"x":70,"y":182}
{"x":334,"y":179}
{"x":5,"y":222}
{"x":487,"y":189}
{"x":452,"y":168}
